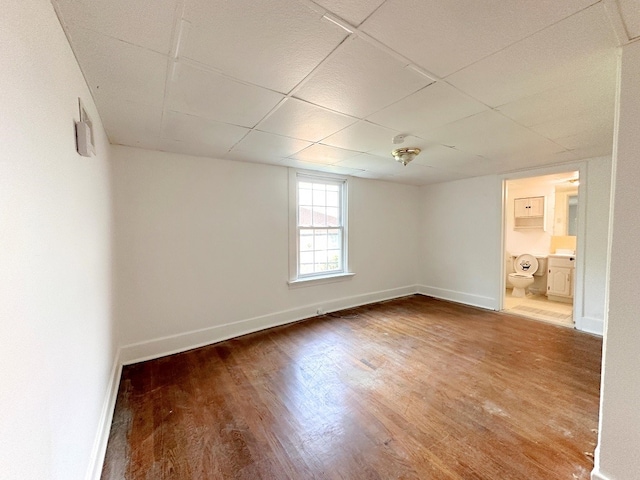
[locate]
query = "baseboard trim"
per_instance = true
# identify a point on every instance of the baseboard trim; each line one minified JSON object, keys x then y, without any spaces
{"x":94,"y":470}
{"x":597,"y":475}
{"x":169,"y":345}
{"x":488,"y":303}
{"x":591,"y":325}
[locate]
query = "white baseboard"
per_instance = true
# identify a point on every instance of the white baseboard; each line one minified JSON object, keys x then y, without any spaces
{"x":597,"y":475}
{"x":160,"y":347}
{"x":590,"y":325}
{"x":458,"y":297}
{"x":94,"y":471}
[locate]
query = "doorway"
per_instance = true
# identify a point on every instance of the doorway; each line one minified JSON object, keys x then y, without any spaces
{"x":540,"y":235}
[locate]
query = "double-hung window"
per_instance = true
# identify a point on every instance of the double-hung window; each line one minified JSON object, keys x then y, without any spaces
{"x":320,"y":227}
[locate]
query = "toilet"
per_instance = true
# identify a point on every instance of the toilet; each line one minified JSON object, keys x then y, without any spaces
{"x":525,"y":266}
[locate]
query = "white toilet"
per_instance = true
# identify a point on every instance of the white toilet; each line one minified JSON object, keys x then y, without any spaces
{"x":525,"y":266}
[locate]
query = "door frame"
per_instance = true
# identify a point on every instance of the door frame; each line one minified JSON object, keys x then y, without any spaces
{"x":578,"y":286}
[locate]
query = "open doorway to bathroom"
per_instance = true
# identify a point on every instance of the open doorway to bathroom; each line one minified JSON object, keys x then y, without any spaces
{"x":540,"y":237}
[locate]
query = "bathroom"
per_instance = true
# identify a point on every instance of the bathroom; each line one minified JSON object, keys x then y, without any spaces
{"x":540,"y":238}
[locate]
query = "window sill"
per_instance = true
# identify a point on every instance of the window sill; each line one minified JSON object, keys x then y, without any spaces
{"x":306,"y":282}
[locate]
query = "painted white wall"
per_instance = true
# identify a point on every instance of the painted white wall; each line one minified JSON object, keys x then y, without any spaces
{"x":460,"y":255}
{"x":461,"y":235}
{"x":533,"y":241}
{"x":55,"y":256}
{"x":596,"y":243}
{"x":202,"y":244}
{"x":619,"y":440}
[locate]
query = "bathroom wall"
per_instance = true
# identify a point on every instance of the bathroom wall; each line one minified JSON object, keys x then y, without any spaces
{"x":533,"y":241}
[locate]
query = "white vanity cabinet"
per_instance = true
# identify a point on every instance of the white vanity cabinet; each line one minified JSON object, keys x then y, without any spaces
{"x":560,"y":277}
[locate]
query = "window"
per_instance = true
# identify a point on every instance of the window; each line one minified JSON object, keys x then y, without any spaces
{"x":320,"y":227}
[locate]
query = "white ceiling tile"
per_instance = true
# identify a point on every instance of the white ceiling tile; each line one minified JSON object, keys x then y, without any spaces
{"x":208,"y":136}
{"x":190,"y":148}
{"x":359,"y":79}
{"x":132,"y":124}
{"x":494,"y":137}
{"x":588,"y":138}
{"x":445,"y":36}
{"x":372,"y":163}
{"x":630,"y":11}
{"x":453,"y":160}
{"x":146,"y":24}
{"x":298,"y":119}
{"x":568,"y":50}
{"x":274,"y":44}
{"x":591,"y":152}
{"x":211,"y":95}
{"x":323,"y":154}
{"x":429,"y":108}
{"x":269,"y":145}
{"x":416,"y":174}
{"x":590,"y":123}
{"x":372,"y":175}
{"x":293,"y":163}
{"x":119,"y":70}
{"x":592,"y":93}
{"x":363,"y":137}
{"x":355,"y":12}
{"x":253,"y":157}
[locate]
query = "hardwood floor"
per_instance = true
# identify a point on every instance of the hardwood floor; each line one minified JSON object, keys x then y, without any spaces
{"x":414,"y":388}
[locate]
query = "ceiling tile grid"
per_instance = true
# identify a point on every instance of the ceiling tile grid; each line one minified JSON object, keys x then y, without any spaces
{"x":445,"y":36}
{"x":305,"y":121}
{"x":214,"y":96}
{"x":281,"y":82}
{"x":274,"y":43}
{"x":359,"y":79}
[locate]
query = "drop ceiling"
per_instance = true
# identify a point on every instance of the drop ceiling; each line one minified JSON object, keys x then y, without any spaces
{"x":481,"y":87}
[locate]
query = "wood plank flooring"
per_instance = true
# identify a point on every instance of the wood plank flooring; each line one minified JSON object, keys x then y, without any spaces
{"x":413,"y":388}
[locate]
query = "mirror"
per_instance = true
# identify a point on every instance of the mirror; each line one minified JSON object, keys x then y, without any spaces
{"x":566,"y":211}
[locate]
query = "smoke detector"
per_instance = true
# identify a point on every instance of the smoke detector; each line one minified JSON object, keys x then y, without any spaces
{"x":405,"y":155}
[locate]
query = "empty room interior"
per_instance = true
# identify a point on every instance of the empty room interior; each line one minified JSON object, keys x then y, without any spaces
{"x":319,"y":239}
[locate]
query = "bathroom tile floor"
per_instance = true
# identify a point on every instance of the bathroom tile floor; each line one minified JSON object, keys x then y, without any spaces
{"x":539,"y":308}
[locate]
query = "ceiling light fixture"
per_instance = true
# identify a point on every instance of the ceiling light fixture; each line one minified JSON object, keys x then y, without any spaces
{"x":405,"y":155}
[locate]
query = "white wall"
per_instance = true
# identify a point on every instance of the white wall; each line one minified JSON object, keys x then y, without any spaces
{"x":461,"y":235}
{"x":596,"y":242}
{"x":57,"y":343}
{"x":619,"y":440}
{"x":460,"y":256}
{"x":202,"y":249}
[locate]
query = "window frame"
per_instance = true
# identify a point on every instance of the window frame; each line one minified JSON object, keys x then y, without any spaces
{"x":295,"y":277}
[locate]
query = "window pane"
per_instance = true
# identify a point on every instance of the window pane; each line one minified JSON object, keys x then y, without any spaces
{"x":319,"y":207}
{"x":332,"y":199}
{"x":319,"y":197}
{"x":306,"y":240}
{"x":320,"y":256}
{"x":334,"y":239}
{"x":304,"y":196}
{"x":306,"y":268}
{"x":333,"y":219}
{"x":320,"y":239}
{"x":319,"y":217}
{"x":306,"y":257}
{"x":304,"y":216}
